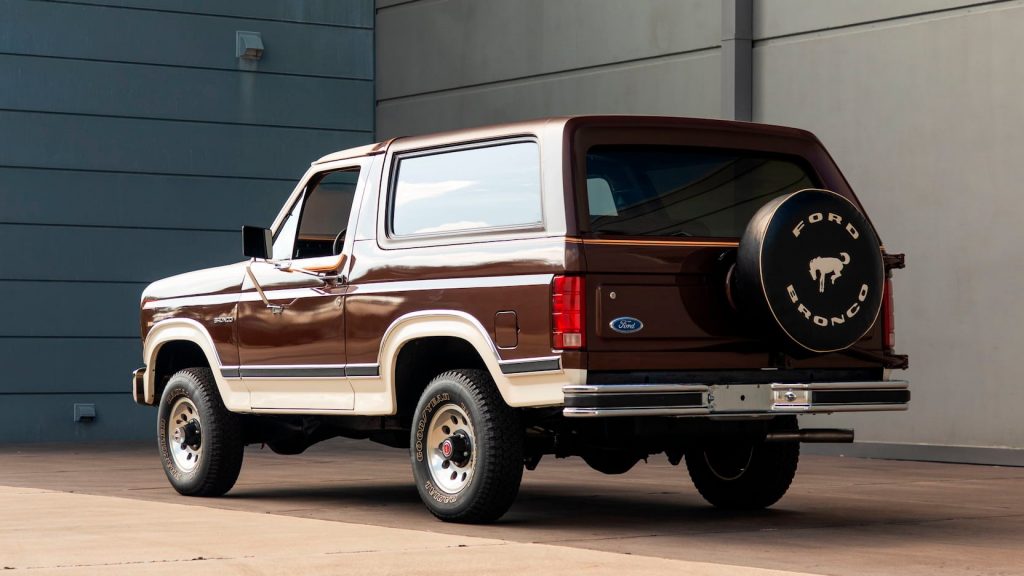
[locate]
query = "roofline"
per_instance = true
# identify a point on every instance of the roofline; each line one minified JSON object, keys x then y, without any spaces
{"x":357,"y":152}
{"x":560,"y":122}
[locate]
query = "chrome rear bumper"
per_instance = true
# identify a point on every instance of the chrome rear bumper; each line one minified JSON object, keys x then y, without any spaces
{"x":599,"y":400}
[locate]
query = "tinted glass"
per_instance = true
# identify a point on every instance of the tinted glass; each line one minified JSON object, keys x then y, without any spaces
{"x":676,"y":191}
{"x":321,"y":216}
{"x":468,"y":189}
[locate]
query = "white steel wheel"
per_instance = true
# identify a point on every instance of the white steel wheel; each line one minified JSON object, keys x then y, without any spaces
{"x":200,"y":441}
{"x":450,"y":439}
{"x":466,"y":448}
{"x":185,"y":442}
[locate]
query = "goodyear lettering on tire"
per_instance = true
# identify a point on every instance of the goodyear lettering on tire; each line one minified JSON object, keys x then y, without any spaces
{"x":421,"y":423}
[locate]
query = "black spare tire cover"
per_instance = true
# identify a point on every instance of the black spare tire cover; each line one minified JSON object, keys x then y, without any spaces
{"x":809,"y":271}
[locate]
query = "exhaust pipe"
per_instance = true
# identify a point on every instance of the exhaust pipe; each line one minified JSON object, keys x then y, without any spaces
{"x":812,"y":435}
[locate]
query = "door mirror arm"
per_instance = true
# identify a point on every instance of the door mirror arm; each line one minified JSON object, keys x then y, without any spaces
{"x":275,"y":308}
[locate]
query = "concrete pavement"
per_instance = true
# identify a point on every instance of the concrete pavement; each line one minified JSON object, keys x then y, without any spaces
{"x":47,"y":532}
{"x":843,"y":516}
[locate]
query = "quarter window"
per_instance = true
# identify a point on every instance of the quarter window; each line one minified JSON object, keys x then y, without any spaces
{"x":468,"y":189}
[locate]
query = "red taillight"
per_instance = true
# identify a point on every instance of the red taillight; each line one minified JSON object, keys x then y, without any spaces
{"x":567,"y":327}
{"x":888,"y":317}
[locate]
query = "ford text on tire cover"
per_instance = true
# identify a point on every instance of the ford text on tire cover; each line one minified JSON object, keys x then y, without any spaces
{"x":602,"y":287}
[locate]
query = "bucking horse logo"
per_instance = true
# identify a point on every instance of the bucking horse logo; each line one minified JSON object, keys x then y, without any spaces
{"x":822,"y":267}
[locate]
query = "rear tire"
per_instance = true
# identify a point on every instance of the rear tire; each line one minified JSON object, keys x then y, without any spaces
{"x":200,"y":441}
{"x":743,"y":476}
{"x":475,"y":477}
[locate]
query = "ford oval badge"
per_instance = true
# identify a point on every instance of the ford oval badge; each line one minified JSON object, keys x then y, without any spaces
{"x":626,"y":325}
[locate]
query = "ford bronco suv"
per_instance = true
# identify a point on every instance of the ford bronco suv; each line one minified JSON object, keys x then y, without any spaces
{"x":608,"y":287}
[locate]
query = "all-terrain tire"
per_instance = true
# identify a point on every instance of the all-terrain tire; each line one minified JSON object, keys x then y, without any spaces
{"x":478,"y":484}
{"x":743,"y":476}
{"x":191,"y":403}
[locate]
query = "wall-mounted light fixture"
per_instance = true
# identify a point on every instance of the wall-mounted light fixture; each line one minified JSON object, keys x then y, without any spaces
{"x":248,"y":45}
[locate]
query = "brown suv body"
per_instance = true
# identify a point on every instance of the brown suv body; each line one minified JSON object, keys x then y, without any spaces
{"x":363,"y":332}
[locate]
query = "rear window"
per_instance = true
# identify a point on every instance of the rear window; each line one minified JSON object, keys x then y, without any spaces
{"x":679,"y":191}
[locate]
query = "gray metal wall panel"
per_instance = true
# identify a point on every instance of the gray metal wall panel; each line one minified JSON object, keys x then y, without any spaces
{"x":116,"y":89}
{"x":686,"y":85}
{"x":138,"y":200}
{"x":429,"y":46}
{"x":111,"y":254}
{"x":134,"y":146}
{"x":164,"y":147}
{"x":70,"y":309}
{"x":924,"y":116}
{"x":383,"y":4}
{"x":49,"y":417}
{"x":357,"y":13}
{"x":68,"y":365}
{"x":119,"y":35}
{"x":774,"y":18}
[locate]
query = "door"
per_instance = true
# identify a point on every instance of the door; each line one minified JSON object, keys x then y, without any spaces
{"x":291,"y":316}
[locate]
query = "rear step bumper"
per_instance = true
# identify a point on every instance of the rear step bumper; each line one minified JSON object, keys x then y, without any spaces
{"x":600,"y":400}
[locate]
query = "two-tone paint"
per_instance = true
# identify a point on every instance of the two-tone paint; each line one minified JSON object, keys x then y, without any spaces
{"x":329,"y":345}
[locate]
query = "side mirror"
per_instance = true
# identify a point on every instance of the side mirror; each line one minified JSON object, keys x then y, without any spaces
{"x":257,"y":242}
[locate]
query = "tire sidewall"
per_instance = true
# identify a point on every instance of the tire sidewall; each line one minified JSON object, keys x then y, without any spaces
{"x":182,"y":386}
{"x":437,"y":395}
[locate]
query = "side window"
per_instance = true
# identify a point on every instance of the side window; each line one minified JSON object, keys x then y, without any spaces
{"x":317,"y":223}
{"x":325,"y":215}
{"x":468,"y":189}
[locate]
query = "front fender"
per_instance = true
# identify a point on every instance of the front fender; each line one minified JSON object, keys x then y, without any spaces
{"x":232,"y":392}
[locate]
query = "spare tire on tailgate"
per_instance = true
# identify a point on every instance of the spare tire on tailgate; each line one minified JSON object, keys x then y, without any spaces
{"x":809,"y":272}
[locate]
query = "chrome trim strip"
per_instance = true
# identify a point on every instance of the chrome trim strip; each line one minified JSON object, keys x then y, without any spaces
{"x":828,"y":408}
{"x":633,"y":388}
{"x":292,"y":372}
{"x":794,"y":398}
{"x":547,"y":364}
{"x":300,"y":371}
{"x":659,"y":411}
{"x":453,"y":283}
{"x":362,"y":370}
{"x":883,"y":385}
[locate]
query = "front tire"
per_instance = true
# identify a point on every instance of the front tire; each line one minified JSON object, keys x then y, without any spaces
{"x":466,"y":448}
{"x":743,"y":475}
{"x":200,"y":441}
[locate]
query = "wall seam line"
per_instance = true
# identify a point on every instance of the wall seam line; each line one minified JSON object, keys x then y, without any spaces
{"x":509,"y":81}
{"x":202,"y":14}
{"x":865,"y":23}
{"x":184,"y":67}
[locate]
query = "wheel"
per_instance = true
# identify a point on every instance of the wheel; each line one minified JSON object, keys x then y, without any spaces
{"x":200,"y":441}
{"x":467,"y":448}
{"x":743,"y":476}
{"x":611,"y":461}
{"x":809,"y":274}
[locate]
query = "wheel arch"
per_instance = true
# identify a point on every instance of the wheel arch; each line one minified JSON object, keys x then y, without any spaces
{"x":446,"y":327}
{"x":436,"y":340}
{"x":173,"y":341}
